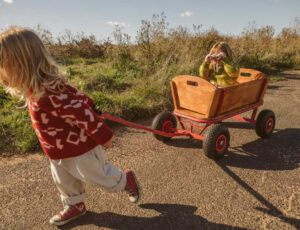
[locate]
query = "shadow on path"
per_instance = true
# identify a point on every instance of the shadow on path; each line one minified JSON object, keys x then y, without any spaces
{"x":280,"y":152}
{"x":291,"y":76}
{"x":184,"y":143}
{"x":275,"y":87}
{"x":172,"y":216}
{"x":270,"y":209}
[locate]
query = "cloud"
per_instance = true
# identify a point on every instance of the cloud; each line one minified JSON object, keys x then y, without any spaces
{"x":116,"y":23}
{"x":187,"y":14}
{"x":8,"y":1}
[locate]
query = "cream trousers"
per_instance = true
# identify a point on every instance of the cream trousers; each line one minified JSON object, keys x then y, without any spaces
{"x":71,"y":174}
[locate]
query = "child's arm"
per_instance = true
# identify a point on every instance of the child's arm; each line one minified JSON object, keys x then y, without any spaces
{"x":108,"y":144}
{"x":232,"y":71}
{"x":86,"y":118}
{"x":204,"y":70}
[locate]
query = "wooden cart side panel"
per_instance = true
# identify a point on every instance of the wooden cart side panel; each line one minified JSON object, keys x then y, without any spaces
{"x":264,"y":88}
{"x":215,"y":103}
{"x":194,"y":94}
{"x":174,"y":95}
{"x":241,"y":95}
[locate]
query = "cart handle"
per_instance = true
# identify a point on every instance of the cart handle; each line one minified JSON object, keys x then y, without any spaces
{"x":136,"y":126}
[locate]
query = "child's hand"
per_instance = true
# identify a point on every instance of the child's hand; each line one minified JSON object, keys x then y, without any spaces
{"x":220,"y":56}
{"x":215,"y":57}
{"x":214,"y":83}
{"x":108,"y":144}
{"x":208,"y":58}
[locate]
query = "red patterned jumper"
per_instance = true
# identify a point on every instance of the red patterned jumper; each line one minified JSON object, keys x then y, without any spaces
{"x":66,"y":124}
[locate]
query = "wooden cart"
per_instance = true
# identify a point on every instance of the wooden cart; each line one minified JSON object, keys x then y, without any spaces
{"x":201,"y":106}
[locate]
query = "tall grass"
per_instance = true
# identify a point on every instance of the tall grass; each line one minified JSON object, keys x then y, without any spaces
{"x":131,"y":78}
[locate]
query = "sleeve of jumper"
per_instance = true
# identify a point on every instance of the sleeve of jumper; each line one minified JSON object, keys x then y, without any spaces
{"x":204,"y":71}
{"x":232,"y":71}
{"x":78,"y":110}
{"x":85,"y":118}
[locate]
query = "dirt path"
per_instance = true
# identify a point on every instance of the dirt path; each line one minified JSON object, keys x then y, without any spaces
{"x":256,"y":186}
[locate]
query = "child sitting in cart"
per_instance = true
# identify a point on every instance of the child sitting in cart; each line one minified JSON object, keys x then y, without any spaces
{"x":217,"y":66}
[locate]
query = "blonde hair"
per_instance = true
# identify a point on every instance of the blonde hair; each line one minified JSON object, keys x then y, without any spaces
{"x":224,"y":47}
{"x":26,"y":67}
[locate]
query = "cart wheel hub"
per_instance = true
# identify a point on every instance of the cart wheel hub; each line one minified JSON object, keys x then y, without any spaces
{"x":221,"y":143}
{"x":168,"y":127}
{"x":270,"y":125}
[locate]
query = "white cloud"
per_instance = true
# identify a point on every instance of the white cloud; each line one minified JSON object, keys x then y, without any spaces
{"x":116,"y":23}
{"x":8,"y":1}
{"x":187,"y":14}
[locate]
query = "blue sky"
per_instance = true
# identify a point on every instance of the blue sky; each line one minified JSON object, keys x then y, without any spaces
{"x":98,"y":17}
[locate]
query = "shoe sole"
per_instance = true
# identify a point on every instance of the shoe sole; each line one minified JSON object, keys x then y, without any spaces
{"x":67,"y":221}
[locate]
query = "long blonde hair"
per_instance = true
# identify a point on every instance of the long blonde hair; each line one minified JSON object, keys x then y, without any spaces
{"x":26,"y":66}
{"x":225,"y":48}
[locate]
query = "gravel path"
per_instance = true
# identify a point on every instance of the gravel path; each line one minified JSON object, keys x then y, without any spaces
{"x":256,"y":186}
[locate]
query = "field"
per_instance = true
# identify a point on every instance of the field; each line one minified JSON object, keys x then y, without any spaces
{"x":131,"y":78}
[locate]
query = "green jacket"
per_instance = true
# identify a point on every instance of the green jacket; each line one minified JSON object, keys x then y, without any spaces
{"x":224,"y":74}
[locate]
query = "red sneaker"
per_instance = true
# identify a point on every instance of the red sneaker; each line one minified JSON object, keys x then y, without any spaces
{"x":70,"y":212}
{"x":132,"y":186}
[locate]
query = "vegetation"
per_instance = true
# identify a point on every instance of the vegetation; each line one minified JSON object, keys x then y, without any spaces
{"x":131,"y":79}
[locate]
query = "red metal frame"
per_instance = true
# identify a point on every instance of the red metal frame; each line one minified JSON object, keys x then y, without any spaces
{"x":207,"y":122}
{"x":182,"y":119}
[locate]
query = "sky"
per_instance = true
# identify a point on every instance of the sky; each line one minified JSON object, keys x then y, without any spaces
{"x":99,"y":17}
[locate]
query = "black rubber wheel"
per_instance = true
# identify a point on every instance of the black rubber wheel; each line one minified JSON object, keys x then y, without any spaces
{"x":216,"y":141}
{"x":166,"y":122}
{"x":265,"y":123}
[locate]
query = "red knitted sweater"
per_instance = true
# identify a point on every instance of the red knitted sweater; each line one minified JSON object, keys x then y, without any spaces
{"x":65,"y":123}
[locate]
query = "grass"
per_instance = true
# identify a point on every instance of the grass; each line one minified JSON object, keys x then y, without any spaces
{"x":131,"y":80}
{"x":16,"y":133}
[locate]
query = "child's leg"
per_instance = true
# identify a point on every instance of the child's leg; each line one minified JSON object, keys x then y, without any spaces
{"x":93,"y":167}
{"x":72,"y":190}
